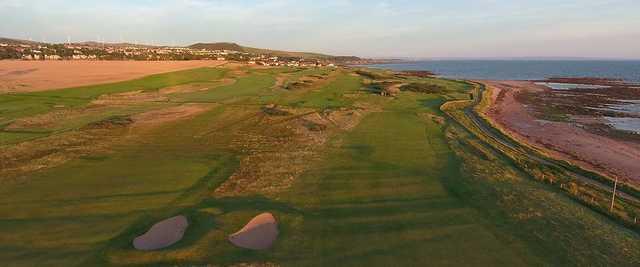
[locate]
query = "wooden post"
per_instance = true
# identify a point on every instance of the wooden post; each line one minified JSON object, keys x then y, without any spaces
{"x":613,"y":198}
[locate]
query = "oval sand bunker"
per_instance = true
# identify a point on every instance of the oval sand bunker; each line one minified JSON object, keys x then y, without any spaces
{"x":162,"y":234}
{"x":258,"y":234}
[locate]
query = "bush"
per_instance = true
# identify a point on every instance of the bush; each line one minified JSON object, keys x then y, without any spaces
{"x":372,"y":75}
{"x":423,"y":88}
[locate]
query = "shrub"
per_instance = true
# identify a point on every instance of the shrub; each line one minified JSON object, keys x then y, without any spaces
{"x":423,"y":88}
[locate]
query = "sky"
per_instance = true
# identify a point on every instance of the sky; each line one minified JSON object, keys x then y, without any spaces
{"x":374,"y":28}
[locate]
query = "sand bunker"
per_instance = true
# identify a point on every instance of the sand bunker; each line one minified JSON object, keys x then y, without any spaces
{"x":162,"y":234}
{"x":259,"y":234}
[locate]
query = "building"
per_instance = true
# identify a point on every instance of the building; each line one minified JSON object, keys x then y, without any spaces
{"x":52,"y":57}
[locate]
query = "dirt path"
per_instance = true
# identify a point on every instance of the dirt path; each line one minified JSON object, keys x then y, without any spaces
{"x":32,"y":76}
{"x":564,"y":140}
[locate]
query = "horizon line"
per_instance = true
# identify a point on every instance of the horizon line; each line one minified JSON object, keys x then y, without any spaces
{"x":392,"y":58}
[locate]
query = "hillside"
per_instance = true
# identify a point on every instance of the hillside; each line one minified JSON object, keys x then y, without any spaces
{"x":211,"y":47}
{"x":208,"y":46}
{"x":16,"y":41}
{"x":117,"y":45}
{"x":287,"y":53}
{"x":279,"y":53}
{"x":218,"y":46}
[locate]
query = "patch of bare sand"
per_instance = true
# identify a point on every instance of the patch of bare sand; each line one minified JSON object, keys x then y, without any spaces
{"x":280,"y":148}
{"x":128,"y":98}
{"x":32,"y":76}
{"x":161,"y":116}
{"x":564,"y":140}
{"x":393,"y":89}
{"x":259,"y":234}
{"x":161,"y":95}
{"x":196,"y":87}
{"x":281,"y":80}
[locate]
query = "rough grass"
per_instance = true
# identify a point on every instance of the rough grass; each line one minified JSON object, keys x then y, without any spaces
{"x":329,"y":96}
{"x":74,"y":100}
{"x":13,"y":106}
{"x":378,"y":200}
{"x":536,"y":213}
{"x":423,"y":88}
{"x":397,"y":190}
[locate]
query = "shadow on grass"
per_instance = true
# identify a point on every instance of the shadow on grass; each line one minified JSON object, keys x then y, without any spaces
{"x":201,"y":222}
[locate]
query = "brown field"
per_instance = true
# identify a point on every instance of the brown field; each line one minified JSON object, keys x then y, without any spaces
{"x":32,"y":76}
{"x":612,"y":157}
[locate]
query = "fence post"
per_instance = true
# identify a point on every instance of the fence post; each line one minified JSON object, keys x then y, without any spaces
{"x":613,"y":198}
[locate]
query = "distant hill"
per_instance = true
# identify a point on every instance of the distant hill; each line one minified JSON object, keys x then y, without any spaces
{"x":252,"y":50}
{"x":99,"y":44}
{"x":279,"y":53}
{"x":209,"y":46}
{"x":17,"y":41}
{"x":218,"y":46}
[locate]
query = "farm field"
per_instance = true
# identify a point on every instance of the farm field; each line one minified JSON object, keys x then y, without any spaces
{"x":24,"y":76}
{"x":354,"y":178}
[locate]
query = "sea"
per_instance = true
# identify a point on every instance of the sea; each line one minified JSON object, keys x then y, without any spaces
{"x":628,"y":70}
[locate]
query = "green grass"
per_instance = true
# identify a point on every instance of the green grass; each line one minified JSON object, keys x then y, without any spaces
{"x":374,"y":200}
{"x":246,"y":87}
{"x":293,"y":80}
{"x":537,"y":213}
{"x":378,"y":200}
{"x":12,"y":137}
{"x":398,"y":190}
{"x":14,"y":106}
{"x":66,"y":214}
{"x":330,"y":96}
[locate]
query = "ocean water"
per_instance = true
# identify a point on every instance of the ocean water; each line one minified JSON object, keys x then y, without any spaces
{"x":570,"y":86}
{"x":523,"y":69}
{"x":631,"y":125}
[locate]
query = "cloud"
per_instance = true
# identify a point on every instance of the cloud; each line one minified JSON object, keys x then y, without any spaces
{"x":366,"y":28}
